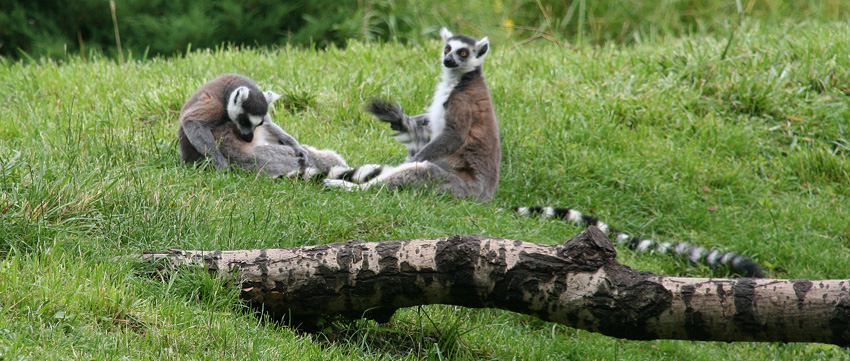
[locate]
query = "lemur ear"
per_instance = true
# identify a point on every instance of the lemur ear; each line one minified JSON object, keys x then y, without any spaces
{"x":481,"y":47}
{"x":240,"y":95}
{"x":271,"y":96}
{"x":445,"y":34}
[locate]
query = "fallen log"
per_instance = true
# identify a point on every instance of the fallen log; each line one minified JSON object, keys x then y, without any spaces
{"x":578,"y":283}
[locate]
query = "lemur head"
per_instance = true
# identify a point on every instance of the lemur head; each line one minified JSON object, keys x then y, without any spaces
{"x":463,"y":53}
{"x":248,"y":109}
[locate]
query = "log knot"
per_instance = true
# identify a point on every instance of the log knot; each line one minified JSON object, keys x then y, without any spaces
{"x":592,"y":247}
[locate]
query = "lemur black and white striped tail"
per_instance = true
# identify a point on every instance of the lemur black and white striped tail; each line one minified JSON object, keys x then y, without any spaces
{"x":361,"y":174}
{"x":713,"y":258}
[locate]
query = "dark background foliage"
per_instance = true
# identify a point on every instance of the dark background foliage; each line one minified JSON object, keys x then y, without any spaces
{"x":166,"y":27}
{"x":57,"y":29}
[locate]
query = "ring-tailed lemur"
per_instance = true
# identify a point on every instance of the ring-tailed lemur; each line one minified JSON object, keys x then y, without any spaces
{"x":713,"y":258}
{"x":412,"y":131}
{"x":455,"y":146}
{"x":227,"y":122}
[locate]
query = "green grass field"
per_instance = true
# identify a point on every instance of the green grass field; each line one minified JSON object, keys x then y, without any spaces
{"x":670,"y":139}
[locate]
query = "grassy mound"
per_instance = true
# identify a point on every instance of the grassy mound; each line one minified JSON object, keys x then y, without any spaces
{"x":678,"y":139}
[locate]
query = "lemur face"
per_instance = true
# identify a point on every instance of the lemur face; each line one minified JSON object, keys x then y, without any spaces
{"x":463,"y":53}
{"x":249,"y":110}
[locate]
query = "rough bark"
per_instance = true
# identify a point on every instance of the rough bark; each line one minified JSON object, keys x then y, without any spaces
{"x":578,"y":284}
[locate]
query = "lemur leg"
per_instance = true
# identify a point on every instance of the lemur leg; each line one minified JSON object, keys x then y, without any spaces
{"x":414,"y":174}
{"x":273,"y":160}
{"x":282,"y":137}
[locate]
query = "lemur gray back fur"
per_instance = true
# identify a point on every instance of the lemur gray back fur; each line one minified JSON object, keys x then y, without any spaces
{"x":226,"y":121}
{"x":455,"y":146}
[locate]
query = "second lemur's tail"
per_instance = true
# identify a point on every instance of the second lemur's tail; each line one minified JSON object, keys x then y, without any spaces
{"x":713,"y":258}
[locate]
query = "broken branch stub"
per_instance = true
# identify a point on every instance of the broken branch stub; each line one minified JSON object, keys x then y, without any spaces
{"x":578,"y":283}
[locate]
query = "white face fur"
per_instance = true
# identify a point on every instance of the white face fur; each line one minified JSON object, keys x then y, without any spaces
{"x":458,"y":57}
{"x":462,"y":56}
{"x":239,"y":96}
{"x":246,"y":122}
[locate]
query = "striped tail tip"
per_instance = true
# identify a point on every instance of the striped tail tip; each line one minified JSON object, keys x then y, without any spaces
{"x":695,"y":254}
{"x":746,"y":266}
{"x":714,"y":259}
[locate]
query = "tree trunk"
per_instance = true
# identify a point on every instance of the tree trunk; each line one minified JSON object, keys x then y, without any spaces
{"x":578,"y":284}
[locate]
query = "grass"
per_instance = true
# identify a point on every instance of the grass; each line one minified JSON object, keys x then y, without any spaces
{"x":747,"y":153}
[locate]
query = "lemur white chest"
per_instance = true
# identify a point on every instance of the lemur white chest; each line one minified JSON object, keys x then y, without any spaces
{"x":263,"y":137}
{"x":437,"y":110}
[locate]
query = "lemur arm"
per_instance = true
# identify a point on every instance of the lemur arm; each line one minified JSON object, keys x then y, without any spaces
{"x":458,"y":124}
{"x":420,"y":122}
{"x":201,"y":137}
{"x":413,"y":131}
{"x":282,"y":136}
{"x":419,"y":133}
{"x":416,"y":122}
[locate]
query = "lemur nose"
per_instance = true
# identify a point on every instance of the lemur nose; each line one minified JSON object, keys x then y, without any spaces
{"x":247,"y":137}
{"x":449,"y":62}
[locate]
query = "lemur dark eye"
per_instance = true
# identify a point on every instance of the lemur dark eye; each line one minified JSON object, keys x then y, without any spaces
{"x":447,"y":50}
{"x":243,"y":120}
{"x":463,"y":54}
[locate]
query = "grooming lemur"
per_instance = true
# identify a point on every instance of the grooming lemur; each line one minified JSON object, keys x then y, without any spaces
{"x":713,"y":258}
{"x":455,"y":146}
{"x":227,"y":122}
